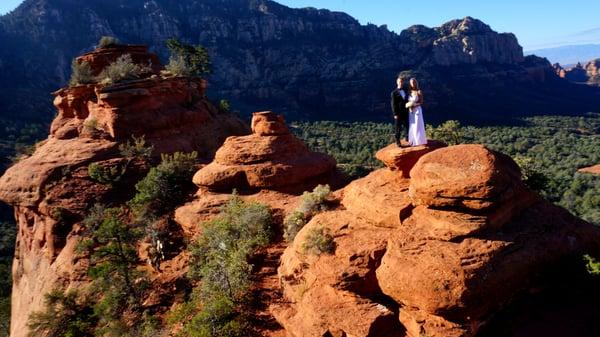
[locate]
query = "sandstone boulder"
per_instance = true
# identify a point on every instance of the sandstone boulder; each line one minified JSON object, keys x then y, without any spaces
{"x":335,"y":294}
{"x":380,"y":197}
{"x":270,"y":159}
{"x":403,"y":159}
{"x":468,"y":176}
{"x":267,"y":123}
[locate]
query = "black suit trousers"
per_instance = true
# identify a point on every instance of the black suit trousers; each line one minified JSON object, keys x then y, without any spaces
{"x":400,"y":123}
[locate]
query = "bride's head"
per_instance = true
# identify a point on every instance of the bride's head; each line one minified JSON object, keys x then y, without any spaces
{"x":414,"y":85}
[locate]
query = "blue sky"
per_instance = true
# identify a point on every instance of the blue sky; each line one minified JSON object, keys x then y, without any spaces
{"x":536,"y":23}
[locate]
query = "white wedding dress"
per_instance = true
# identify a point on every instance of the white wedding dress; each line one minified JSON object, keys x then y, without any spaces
{"x":416,"y":125}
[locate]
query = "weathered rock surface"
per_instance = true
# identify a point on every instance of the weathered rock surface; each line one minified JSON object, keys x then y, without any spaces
{"x":469,"y":176}
{"x":336,"y":294}
{"x":51,"y":190}
{"x":429,"y":258}
{"x":102,"y":57}
{"x":403,"y":159}
{"x":592,"y":169}
{"x":170,"y":112}
{"x":270,"y":158}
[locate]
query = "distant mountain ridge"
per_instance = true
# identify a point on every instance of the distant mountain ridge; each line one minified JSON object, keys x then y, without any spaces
{"x":566,"y":55}
{"x":305,"y":63}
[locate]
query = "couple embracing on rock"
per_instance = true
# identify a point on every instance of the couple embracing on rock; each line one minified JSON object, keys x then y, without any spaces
{"x":408,"y":113}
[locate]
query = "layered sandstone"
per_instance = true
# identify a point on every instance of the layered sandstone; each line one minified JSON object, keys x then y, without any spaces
{"x":100,"y":58}
{"x":403,"y":158}
{"x":51,"y":190}
{"x":270,"y":158}
{"x":420,"y":256}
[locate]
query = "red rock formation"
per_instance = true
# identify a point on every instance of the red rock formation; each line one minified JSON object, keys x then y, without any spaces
{"x":592,"y":169}
{"x":593,"y":72}
{"x":404,"y":158}
{"x":589,"y":73}
{"x":427,"y":251}
{"x":270,"y":158}
{"x":51,"y":190}
{"x":102,"y":57}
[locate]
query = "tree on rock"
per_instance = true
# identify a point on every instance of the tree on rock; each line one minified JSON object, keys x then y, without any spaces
{"x":188,"y":60}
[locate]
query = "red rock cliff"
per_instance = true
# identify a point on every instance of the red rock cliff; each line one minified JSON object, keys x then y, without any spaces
{"x":51,"y":190}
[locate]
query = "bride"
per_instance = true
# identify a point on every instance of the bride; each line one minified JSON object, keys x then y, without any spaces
{"x":416,"y":125}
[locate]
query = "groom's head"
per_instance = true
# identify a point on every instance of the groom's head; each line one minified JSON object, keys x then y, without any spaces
{"x":400,"y":82}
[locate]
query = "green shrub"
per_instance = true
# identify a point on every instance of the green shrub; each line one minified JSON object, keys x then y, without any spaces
{"x":108,"y":41}
{"x":81,"y":73}
{"x":220,"y":261}
{"x":224,"y":105}
{"x":531,"y":173}
{"x":450,"y":132}
{"x":59,"y":214}
{"x":123,"y":69}
{"x":219,"y":317}
{"x":91,"y":124}
{"x":195,"y":58}
{"x":592,"y":265}
{"x":178,"y":66}
{"x":312,"y":203}
{"x":136,"y":149}
{"x":165,"y":186}
{"x":315,"y":201}
{"x":318,"y":241}
{"x":65,"y":314}
{"x":111,"y":245}
{"x":292,"y":225}
{"x":105,"y":175}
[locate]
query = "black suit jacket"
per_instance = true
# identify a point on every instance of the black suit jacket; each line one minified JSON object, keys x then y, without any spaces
{"x":398,"y":103}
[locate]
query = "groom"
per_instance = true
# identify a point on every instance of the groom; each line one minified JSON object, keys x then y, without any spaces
{"x":399,"y":98}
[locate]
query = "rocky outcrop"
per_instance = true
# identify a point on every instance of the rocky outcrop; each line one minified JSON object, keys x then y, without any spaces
{"x":51,"y":190}
{"x":420,"y":256}
{"x":470,"y":41}
{"x":270,"y":158}
{"x":588,"y":74}
{"x":593,"y":71}
{"x":266,"y":54}
{"x":403,"y":159}
{"x":592,"y":169}
{"x":100,"y":58}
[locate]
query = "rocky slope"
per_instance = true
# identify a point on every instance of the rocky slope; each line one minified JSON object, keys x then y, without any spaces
{"x":436,"y":254}
{"x":305,"y":63}
{"x":51,"y":191}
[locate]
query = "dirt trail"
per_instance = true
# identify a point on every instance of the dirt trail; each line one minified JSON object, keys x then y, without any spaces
{"x":267,"y":291}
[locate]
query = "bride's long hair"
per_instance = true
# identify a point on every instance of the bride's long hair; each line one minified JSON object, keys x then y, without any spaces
{"x":414,"y":86}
